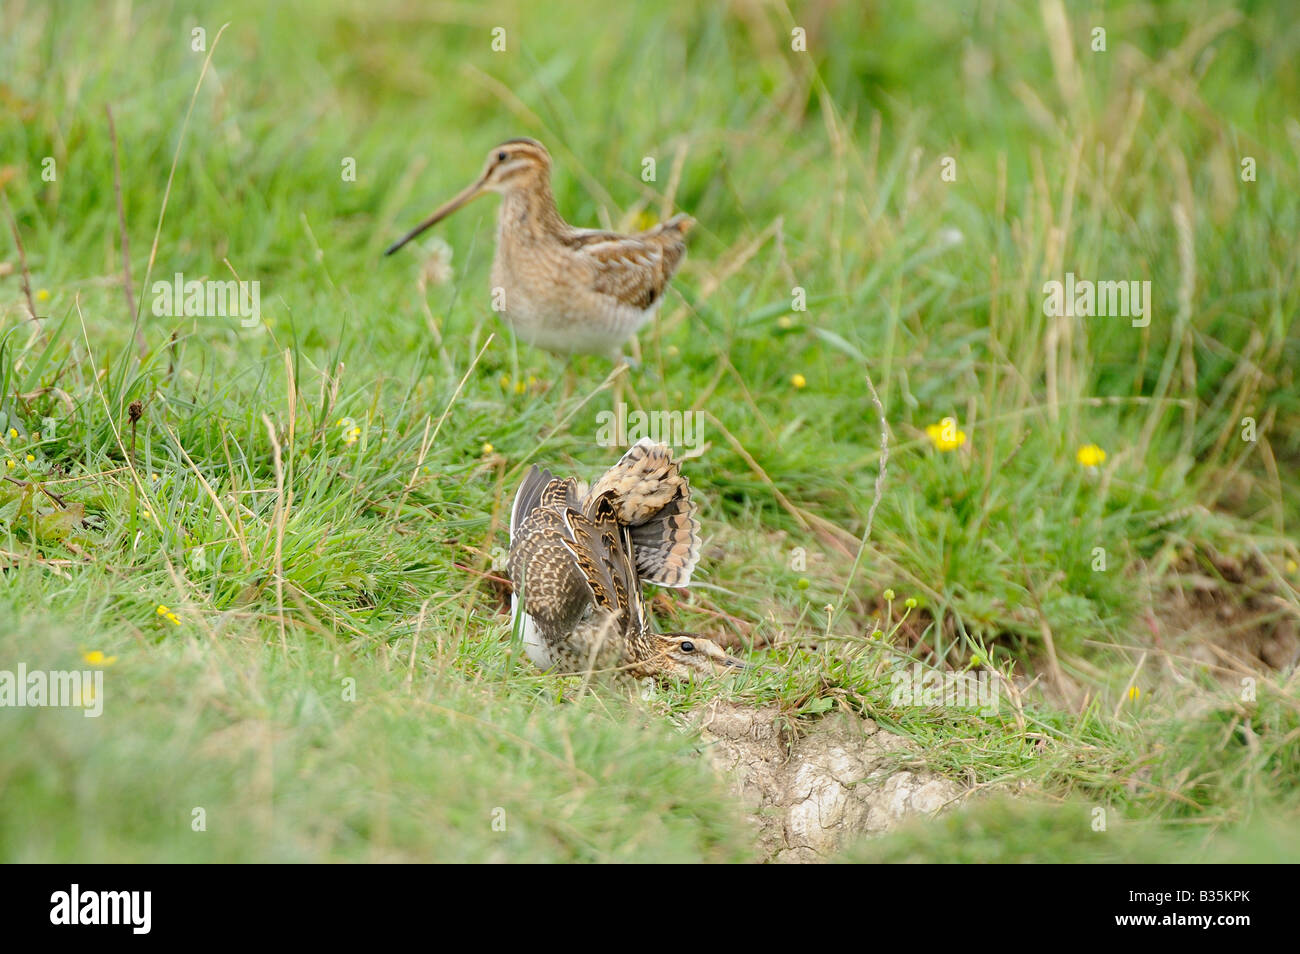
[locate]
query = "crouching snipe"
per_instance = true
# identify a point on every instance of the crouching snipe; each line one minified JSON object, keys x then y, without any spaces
{"x":577,"y":562}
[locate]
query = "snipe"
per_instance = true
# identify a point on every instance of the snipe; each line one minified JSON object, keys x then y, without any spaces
{"x":564,"y":289}
{"x":577,"y":562}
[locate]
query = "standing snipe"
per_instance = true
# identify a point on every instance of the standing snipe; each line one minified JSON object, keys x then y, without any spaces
{"x":579,"y":560}
{"x":565,"y":290}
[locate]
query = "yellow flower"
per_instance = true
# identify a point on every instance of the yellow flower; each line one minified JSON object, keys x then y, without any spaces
{"x":945,"y":435}
{"x":799,"y":381}
{"x":13,"y":432}
{"x":174,"y":618}
{"x":1134,"y":693}
{"x":97,"y":658}
{"x":351,"y":431}
{"x":522,"y":386}
{"x":785,"y":322}
{"x":162,"y":610}
{"x":31,"y":458}
{"x":43,"y":295}
{"x":1090,"y":455}
{"x":10,"y":464}
{"x":1291,"y":566}
{"x":487,"y":449}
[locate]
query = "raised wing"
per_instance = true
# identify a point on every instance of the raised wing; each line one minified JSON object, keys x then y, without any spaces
{"x":555,"y":587}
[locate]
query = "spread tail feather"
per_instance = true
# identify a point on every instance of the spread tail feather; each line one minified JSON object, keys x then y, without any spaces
{"x":652,"y":498}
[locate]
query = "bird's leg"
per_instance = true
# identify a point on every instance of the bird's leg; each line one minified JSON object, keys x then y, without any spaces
{"x":622,"y":369}
{"x":634,"y":399}
{"x":570,"y":378}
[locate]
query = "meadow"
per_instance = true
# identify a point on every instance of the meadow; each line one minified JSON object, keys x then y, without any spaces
{"x":279,"y":537}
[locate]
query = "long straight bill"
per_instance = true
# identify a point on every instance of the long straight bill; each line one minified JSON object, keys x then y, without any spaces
{"x":438,"y":216}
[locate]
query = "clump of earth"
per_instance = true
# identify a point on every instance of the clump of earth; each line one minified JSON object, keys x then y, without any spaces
{"x":811,"y":795}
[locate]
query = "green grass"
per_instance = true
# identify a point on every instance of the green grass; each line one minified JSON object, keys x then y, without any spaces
{"x":294,"y":559}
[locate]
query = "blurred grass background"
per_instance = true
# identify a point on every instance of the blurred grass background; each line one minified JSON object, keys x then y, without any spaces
{"x":295,"y":560}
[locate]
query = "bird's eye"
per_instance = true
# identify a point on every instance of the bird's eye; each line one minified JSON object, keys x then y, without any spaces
{"x":501,"y":157}
{"x":688,"y":646}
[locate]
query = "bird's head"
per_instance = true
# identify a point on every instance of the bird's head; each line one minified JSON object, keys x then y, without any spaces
{"x":516,"y":163}
{"x":686,"y":656}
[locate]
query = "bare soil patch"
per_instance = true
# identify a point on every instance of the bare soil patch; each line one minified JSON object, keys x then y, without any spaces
{"x":810,"y":795}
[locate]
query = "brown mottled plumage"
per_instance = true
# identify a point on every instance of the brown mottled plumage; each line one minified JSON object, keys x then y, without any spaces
{"x":576,"y":565}
{"x":565,"y":289}
{"x":653,"y":499}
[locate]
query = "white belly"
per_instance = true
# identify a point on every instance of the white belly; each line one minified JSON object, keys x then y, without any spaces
{"x":534,"y":646}
{"x":561,"y":340}
{"x":590,"y":324}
